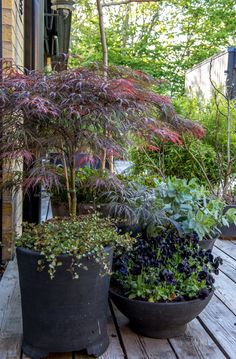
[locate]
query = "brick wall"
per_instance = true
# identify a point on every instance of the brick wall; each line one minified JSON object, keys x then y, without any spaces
{"x":13,"y":50}
{"x":13,"y":31}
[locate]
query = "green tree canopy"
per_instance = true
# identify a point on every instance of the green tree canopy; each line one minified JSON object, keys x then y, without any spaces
{"x":164,"y":38}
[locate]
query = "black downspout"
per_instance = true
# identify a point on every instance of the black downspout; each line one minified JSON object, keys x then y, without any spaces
{"x":33,"y":60}
{"x":231,"y":73}
{"x":1,"y":219}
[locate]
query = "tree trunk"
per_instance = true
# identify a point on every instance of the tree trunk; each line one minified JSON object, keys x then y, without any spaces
{"x":73,"y":190}
{"x":103,"y":37}
{"x":67,"y":181}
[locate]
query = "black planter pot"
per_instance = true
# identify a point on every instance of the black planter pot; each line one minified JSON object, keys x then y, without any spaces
{"x":63,"y":314}
{"x":207,"y":244}
{"x":228,"y":232}
{"x":159,"y":320}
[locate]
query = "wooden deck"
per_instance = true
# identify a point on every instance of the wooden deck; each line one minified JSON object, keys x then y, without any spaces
{"x":211,"y":336}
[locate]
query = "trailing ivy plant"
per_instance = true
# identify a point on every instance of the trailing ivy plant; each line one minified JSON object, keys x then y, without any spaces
{"x":78,"y":237}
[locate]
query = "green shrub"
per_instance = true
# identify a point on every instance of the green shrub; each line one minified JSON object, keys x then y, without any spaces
{"x":179,"y":161}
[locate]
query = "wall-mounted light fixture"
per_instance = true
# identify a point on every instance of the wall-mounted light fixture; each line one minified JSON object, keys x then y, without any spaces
{"x":63,"y":5}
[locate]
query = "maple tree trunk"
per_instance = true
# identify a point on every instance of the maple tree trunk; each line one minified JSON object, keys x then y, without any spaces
{"x":73,"y":190}
{"x":67,"y":181}
{"x":111,"y":157}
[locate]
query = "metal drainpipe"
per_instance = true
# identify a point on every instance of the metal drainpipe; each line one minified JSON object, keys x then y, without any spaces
{"x":1,"y":219}
{"x":231,"y":72}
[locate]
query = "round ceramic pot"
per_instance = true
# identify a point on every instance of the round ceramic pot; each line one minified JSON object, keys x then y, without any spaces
{"x":159,"y":320}
{"x":63,"y":314}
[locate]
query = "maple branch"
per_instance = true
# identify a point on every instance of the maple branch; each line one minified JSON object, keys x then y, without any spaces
{"x":124,"y":2}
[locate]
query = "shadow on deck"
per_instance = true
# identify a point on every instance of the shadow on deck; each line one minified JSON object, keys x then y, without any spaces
{"x":212,"y":335}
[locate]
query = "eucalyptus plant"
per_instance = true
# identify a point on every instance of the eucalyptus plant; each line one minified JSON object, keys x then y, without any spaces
{"x":171,"y":202}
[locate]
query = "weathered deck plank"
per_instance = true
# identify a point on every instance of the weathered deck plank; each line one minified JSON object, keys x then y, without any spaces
{"x":229,"y":264}
{"x":196,"y":343}
{"x":226,"y":291}
{"x":228,"y":247}
{"x":10,"y":315}
{"x":220,"y":324}
{"x":139,"y":347}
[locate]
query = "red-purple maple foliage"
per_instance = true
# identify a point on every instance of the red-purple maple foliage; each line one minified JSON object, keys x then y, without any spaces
{"x":81,"y":110}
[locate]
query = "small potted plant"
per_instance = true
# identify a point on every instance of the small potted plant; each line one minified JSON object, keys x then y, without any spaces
{"x":163,"y":283}
{"x":64,"y":267}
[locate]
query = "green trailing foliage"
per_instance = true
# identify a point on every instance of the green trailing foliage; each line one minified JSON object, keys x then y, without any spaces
{"x":78,"y":237}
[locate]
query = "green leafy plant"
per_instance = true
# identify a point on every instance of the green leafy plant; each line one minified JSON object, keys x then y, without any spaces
{"x":193,"y":207}
{"x":160,"y":162}
{"x":81,"y":237}
{"x":93,"y":183}
{"x":218,"y":116}
{"x":186,"y":205}
{"x":164,"y":38}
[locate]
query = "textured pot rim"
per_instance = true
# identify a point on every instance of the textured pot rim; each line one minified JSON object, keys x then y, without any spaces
{"x":112,"y":291}
{"x":38,"y":254}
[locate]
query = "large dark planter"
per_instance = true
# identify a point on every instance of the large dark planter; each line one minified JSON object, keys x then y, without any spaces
{"x":63,"y":314}
{"x":228,"y":232}
{"x":159,"y":320}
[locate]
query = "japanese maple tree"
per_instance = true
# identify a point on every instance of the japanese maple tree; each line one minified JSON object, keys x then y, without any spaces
{"x":79,"y":109}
